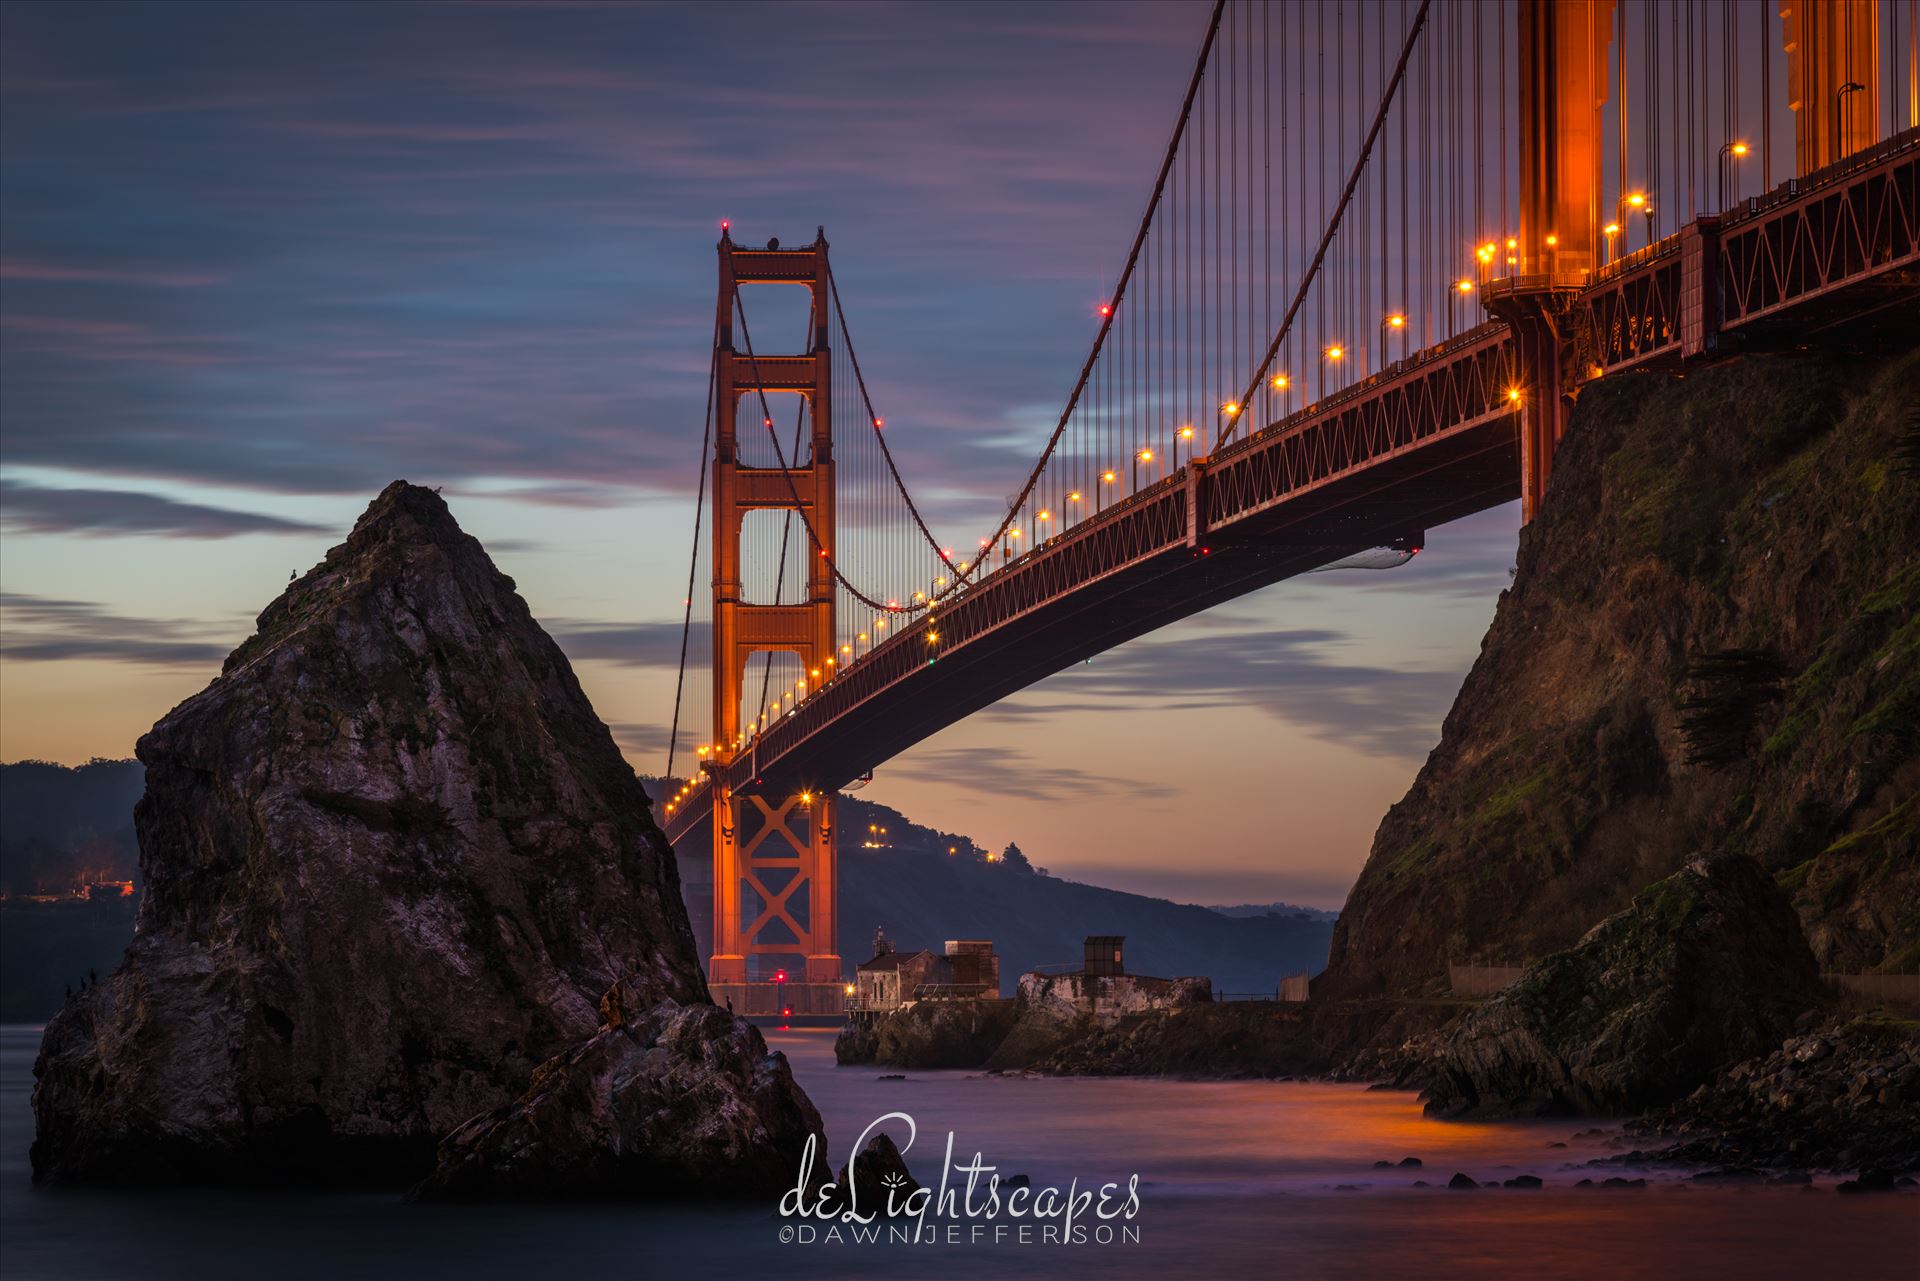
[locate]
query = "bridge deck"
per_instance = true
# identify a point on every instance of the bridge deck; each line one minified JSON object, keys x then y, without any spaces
{"x":1424,"y":442}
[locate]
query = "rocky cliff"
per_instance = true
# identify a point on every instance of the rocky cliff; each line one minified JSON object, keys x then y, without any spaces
{"x":1712,"y":643}
{"x":392,"y":860}
{"x":1707,"y":967}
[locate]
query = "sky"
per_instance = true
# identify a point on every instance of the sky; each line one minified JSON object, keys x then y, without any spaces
{"x":258,"y":261}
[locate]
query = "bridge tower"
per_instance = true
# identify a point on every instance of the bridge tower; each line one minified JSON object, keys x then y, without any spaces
{"x":1563,"y":52}
{"x":771,"y":855}
{"x":1833,"y":77}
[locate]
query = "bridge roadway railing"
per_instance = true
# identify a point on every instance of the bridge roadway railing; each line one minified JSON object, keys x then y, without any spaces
{"x":1831,"y":230}
{"x":1459,"y":383}
{"x":1856,"y":222}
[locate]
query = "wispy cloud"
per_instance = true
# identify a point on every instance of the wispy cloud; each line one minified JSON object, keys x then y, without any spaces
{"x":648,"y":740}
{"x":44,"y":629}
{"x":36,"y":509}
{"x":631,"y":644}
{"x":1296,"y":675}
{"x":147,"y":277}
{"x":1010,"y":772}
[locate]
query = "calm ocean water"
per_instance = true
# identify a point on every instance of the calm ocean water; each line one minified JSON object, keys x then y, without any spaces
{"x":1237,"y":1179}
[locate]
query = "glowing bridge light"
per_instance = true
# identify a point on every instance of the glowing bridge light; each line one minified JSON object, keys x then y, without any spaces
{"x":863,"y":637}
{"x":806,"y":798}
{"x":1106,"y":309}
{"x":1396,"y":321}
{"x":1336,"y":351}
{"x":933,"y":638}
{"x":1552,"y":240}
{"x":1512,"y":243}
{"x":1464,"y":286}
{"x":1281,"y":382}
{"x":1513,"y":395}
{"x":1739,"y":148}
{"x":1074,"y":497}
{"x":1231,"y":408}
{"x":1046,"y":515}
{"x":1145,"y":455}
{"x":1107,"y":477}
{"x":879,"y":422}
{"x":1636,"y":200}
{"x":1611,"y":229}
{"x":1186,"y":433}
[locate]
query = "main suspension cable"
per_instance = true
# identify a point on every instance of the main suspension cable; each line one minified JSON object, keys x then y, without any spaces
{"x":693,"y":561}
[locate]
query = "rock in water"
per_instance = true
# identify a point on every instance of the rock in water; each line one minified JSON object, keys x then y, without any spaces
{"x":1706,"y":968}
{"x":673,"y":1101}
{"x":875,"y":1182}
{"x":392,"y":860}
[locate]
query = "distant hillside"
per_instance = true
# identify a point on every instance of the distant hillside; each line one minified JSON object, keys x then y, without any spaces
{"x":60,"y":826}
{"x":60,"y":829}
{"x":923,"y":894}
{"x":1272,"y":909}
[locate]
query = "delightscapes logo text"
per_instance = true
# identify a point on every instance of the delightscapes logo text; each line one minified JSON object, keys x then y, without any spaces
{"x":971,"y":1203}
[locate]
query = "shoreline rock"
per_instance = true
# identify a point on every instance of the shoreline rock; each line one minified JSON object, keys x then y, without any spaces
{"x":391,"y":859}
{"x":675,"y":1102}
{"x":1707,"y":967}
{"x":1845,"y":1097}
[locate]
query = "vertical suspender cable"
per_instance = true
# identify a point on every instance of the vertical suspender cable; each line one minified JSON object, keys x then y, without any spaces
{"x":1346,"y":196}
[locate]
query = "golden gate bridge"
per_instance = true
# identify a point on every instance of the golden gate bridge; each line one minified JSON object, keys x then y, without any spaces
{"x":1384,"y":247}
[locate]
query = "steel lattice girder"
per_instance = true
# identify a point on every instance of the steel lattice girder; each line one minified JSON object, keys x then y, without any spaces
{"x":1864,"y":223}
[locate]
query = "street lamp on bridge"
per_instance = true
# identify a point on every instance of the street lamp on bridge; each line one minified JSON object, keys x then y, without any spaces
{"x":1730,"y":154}
{"x":1185,"y":433}
{"x":1639,"y":203}
{"x":1144,"y":456}
{"x":1840,"y":113}
{"x":1461,"y":287}
{"x":1393,"y":324}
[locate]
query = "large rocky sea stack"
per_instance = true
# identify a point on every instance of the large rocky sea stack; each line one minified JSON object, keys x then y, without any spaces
{"x":392,"y":862}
